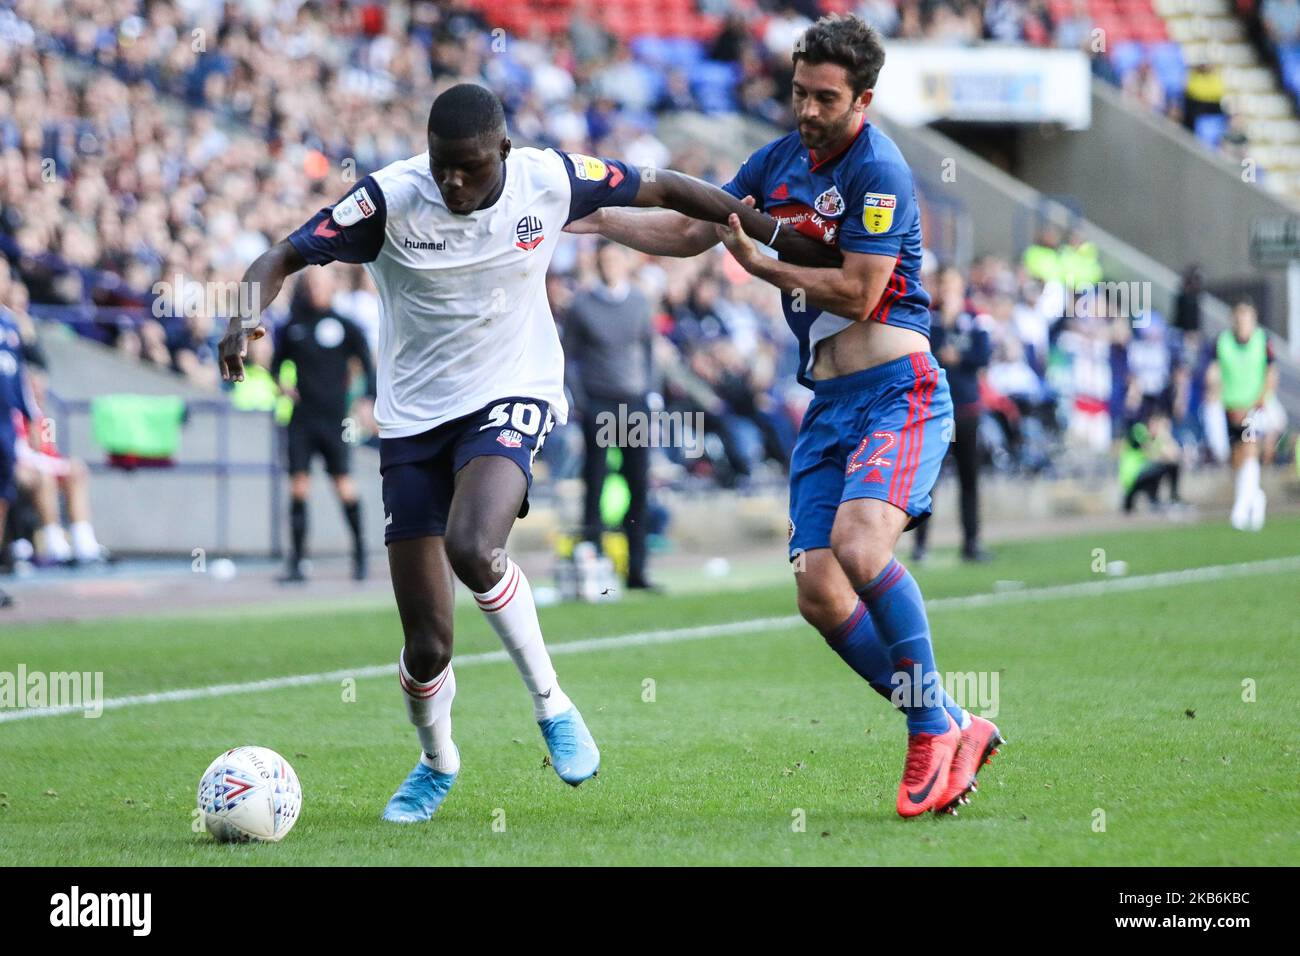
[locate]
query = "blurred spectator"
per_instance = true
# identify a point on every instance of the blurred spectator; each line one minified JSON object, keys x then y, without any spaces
{"x":1144,"y":85}
{"x":54,"y":481}
{"x":1075,"y":28}
{"x":193,"y":349}
{"x":1042,"y":258}
{"x":1079,"y":263}
{"x":1004,"y":20}
{"x":1124,"y":396}
{"x":16,"y":403}
{"x":883,"y":15}
{"x":1204,"y":93}
{"x":324,"y":349}
{"x":609,"y":365}
{"x":1081,"y":367}
{"x":732,"y":40}
{"x":963,"y":349}
{"x":783,"y":30}
{"x":1246,"y":375}
{"x":1149,"y":365}
{"x":625,"y":81}
{"x":1187,"y":303}
{"x":953,"y":23}
{"x":1028,"y":433}
{"x":1150,"y":456}
{"x":744,"y":384}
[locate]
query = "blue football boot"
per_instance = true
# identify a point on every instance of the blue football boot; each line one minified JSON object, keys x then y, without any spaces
{"x":420,"y":794}
{"x":573,"y":752}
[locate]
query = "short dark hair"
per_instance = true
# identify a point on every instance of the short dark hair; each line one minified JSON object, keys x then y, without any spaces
{"x":466,"y":111}
{"x":844,"y":40}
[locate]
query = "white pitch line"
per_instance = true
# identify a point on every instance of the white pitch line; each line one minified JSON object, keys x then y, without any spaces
{"x":1217,"y":572}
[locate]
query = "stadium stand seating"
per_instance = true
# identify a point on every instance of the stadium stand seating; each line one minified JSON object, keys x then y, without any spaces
{"x":1252,"y":91}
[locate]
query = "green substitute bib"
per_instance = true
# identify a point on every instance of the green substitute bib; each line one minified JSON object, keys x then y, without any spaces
{"x":1243,"y":369}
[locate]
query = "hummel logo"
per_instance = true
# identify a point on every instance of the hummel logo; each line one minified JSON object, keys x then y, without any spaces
{"x":435,"y":246}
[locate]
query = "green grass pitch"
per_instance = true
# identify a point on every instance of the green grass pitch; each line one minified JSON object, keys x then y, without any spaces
{"x":749,"y":733}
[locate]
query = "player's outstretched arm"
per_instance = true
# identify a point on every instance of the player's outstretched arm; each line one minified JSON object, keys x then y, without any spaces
{"x":264,"y":278}
{"x":699,"y":200}
{"x":656,"y":232}
{"x":852,"y":289}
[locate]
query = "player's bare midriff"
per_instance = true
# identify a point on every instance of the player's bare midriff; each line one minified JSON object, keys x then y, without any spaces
{"x":864,"y":345}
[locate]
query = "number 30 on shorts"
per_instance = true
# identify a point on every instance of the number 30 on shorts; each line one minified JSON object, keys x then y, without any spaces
{"x":523,"y":417}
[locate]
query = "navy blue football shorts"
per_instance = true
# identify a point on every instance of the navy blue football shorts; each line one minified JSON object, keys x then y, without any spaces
{"x":419,"y":471}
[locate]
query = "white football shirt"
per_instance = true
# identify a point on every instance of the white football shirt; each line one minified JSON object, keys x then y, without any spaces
{"x":465,"y":319}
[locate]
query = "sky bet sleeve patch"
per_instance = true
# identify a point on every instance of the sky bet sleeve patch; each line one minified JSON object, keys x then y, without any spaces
{"x":878,"y":211}
{"x":598,"y":182}
{"x":354,"y":208}
{"x":588,"y":168}
{"x":351,"y":230}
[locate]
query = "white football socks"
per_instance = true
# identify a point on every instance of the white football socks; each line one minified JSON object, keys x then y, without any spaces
{"x":1258,"y":508}
{"x":509,"y":608}
{"x":1248,"y":494}
{"x":428,"y":705}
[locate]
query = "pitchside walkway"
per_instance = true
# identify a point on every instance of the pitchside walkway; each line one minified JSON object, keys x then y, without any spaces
{"x":747,"y":538}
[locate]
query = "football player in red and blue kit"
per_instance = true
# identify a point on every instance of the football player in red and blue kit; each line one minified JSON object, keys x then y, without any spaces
{"x":875,"y":434}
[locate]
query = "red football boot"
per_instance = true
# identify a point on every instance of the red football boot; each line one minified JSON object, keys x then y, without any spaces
{"x":925,"y":774}
{"x":979,"y":742}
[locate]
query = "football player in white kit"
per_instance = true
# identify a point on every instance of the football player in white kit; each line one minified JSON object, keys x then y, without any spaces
{"x":470,"y":381}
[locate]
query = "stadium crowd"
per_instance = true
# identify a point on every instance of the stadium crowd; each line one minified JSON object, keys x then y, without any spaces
{"x":150,"y":151}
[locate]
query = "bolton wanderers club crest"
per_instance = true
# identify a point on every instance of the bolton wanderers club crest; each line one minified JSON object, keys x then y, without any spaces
{"x":528,"y":233}
{"x":830,"y":203}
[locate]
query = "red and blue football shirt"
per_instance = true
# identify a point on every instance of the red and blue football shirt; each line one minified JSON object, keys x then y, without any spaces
{"x":862,"y":198}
